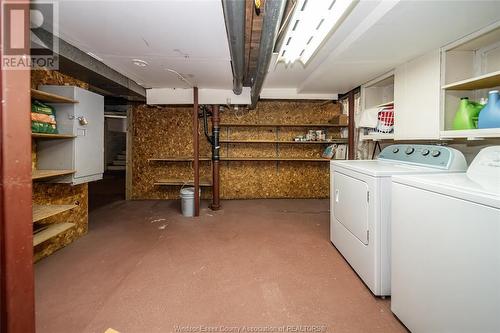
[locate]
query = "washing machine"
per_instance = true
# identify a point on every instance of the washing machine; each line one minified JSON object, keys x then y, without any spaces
{"x":446,"y":249}
{"x":360,"y":204}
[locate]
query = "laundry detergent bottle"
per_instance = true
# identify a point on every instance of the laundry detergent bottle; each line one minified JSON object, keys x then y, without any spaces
{"x":489,"y":117}
{"x":466,"y":115}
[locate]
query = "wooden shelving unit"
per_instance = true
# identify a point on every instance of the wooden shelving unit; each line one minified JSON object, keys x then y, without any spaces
{"x":280,"y":125}
{"x":178,"y":159}
{"x":181,"y":182}
{"x":51,"y":136}
{"x":46,"y":97}
{"x":479,"y":82}
{"x":276,"y":159}
{"x":41,"y":212}
{"x":285,"y":142}
{"x":43,"y":174}
{"x":44,"y":234}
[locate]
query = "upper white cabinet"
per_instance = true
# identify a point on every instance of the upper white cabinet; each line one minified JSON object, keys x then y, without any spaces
{"x":417,"y":98}
{"x":84,"y":154}
{"x":470,"y":68}
{"x":378,"y":93}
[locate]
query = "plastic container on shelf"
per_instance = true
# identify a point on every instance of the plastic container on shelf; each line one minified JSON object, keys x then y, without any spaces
{"x":467,"y":114}
{"x":489,"y":117}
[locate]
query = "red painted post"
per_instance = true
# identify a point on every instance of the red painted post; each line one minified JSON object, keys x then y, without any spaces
{"x":17,"y":306}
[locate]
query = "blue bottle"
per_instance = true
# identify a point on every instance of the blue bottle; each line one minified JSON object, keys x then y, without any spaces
{"x":489,"y":117}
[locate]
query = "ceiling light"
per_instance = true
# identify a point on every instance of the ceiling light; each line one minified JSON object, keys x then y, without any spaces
{"x":139,"y":62}
{"x":311,"y":22}
{"x":95,"y":56}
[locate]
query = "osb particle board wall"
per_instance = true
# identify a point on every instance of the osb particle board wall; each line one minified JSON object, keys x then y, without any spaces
{"x":166,"y":132}
{"x":45,"y":193}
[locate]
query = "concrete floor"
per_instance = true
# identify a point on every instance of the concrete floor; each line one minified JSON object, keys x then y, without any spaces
{"x":257,"y":263}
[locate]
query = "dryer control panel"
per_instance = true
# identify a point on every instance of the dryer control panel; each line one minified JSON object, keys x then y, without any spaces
{"x":432,"y":156}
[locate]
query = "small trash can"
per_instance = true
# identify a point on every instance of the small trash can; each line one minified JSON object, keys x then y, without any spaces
{"x":187,"y":201}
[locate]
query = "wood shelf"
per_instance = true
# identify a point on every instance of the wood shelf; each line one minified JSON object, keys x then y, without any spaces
{"x":46,"y":97}
{"x":52,"y":230}
{"x":377,"y":136}
{"x":41,"y":212}
{"x":285,"y":142}
{"x":181,"y":182}
{"x":43,"y":174}
{"x":279,"y":125}
{"x":178,"y":159}
{"x":276,"y":159}
{"x":485,"y":81}
{"x":472,"y":134}
{"x":51,"y":136}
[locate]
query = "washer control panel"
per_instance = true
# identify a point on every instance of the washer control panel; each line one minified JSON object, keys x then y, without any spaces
{"x":424,"y":155}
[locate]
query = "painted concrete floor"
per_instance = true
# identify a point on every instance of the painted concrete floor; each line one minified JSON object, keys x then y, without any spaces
{"x":256,"y":265}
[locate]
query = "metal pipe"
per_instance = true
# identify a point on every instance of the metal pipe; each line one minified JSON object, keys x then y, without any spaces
{"x":215,"y":158}
{"x":273,"y":11}
{"x":196,"y":149}
{"x":205,"y":123}
{"x":234,"y":15}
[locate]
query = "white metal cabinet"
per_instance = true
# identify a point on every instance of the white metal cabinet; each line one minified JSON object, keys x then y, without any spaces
{"x":84,"y":153}
{"x":417,"y":98}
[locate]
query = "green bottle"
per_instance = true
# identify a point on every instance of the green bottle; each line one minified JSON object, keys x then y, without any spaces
{"x":467,"y":114}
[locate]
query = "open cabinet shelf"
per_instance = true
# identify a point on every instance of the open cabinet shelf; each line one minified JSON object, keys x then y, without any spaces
{"x":485,"y":81}
{"x":377,"y":136}
{"x":41,"y":212}
{"x":51,"y":136}
{"x":50,"y":231}
{"x":44,"y":174}
{"x":46,"y":97}
{"x":471,"y":134}
{"x":470,"y":68}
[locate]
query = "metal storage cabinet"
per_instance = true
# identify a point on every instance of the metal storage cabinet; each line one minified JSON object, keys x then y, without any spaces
{"x":84,"y":153}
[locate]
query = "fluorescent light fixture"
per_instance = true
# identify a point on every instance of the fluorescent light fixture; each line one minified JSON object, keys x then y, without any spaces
{"x":95,"y":56}
{"x":139,"y":62}
{"x":311,"y":22}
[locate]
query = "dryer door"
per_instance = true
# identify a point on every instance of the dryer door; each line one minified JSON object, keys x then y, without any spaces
{"x":350,"y":204}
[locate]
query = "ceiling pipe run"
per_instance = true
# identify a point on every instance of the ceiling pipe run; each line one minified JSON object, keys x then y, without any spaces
{"x":273,"y":12}
{"x":234,"y":15}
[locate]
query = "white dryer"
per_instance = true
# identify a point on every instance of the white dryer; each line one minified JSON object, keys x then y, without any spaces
{"x":446,"y":249}
{"x":360,"y":204}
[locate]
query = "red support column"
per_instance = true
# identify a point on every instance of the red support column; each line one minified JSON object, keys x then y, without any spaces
{"x":196,"y":149}
{"x":17,"y":306}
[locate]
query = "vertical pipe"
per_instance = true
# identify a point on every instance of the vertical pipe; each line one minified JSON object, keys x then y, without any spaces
{"x":17,"y":300}
{"x":196,"y":162}
{"x":215,"y":158}
{"x":350,"y":127}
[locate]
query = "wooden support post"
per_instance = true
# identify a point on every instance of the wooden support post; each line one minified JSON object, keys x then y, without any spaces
{"x":351,"y":129}
{"x":196,"y":149}
{"x":215,"y":158}
{"x":17,"y":305}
